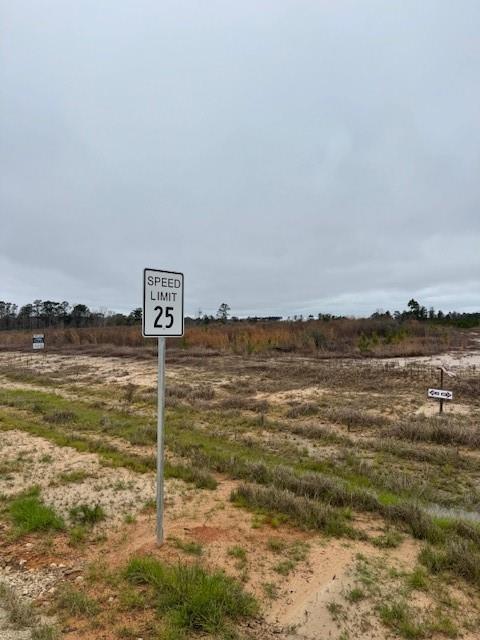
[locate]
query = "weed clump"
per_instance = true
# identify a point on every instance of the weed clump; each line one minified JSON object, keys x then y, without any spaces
{"x":400,"y":617}
{"x":460,"y":557}
{"x":60,"y":417}
{"x":192,"y":598}
{"x":45,"y":632}
{"x":201,"y":478}
{"x":193,"y":548}
{"x":29,"y":514}
{"x":19,"y":613}
{"x":85,"y":515}
{"x":73,"y":477}
{"x":77,"y":602}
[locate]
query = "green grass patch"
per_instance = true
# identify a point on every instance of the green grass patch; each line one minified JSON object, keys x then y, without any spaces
{"x":73,"y":477}
{"x":191,"y":597}
{"x":28,"y":514}
{"x":355,"y":595}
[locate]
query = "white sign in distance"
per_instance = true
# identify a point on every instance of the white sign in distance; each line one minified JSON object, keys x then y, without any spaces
{"x":440,"y":394}
{"x":162,"y":303}
{"x":38,"y":341}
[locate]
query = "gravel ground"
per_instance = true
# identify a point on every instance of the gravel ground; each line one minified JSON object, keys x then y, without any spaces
{"x":7,"y":632}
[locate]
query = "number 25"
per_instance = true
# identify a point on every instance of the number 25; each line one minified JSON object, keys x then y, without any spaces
{"x":168,"y":315}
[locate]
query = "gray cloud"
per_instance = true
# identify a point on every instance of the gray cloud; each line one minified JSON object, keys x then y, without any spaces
{"x":287,"y":156}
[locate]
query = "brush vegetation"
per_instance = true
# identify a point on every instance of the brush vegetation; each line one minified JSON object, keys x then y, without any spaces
{"x":326,"y":337}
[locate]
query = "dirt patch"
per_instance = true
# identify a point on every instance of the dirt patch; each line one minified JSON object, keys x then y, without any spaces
{"x":330,"y":575}
{"x":430,"y":408}
{"x":54,"y":469}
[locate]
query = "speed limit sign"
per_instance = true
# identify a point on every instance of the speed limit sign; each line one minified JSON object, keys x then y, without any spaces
{"x":162,"y":303}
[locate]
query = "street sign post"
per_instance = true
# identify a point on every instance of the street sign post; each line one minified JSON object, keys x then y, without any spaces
{"x":441,"y":394}
{"x":162,"y":317}
{"x":38,"y":341}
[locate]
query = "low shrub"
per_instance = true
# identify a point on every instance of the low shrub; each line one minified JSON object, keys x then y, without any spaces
{"x":303,"y":409}
{"x":353,"y":417}
{"x":441,"y":430}
{"x":307,"y":513}
{"x":458,"y":556}
{"x":420,"y":523}
{"x":245,"y":404}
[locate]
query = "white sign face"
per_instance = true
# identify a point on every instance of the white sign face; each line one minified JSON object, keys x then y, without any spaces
{"x":440,"y":394}
{"x":38,"y":341}
{"x":162,"y":303}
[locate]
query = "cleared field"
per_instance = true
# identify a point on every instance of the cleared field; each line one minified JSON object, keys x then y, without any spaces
{"x":305,"y":498}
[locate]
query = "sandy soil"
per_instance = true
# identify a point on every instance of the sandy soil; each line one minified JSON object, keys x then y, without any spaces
{"x":302,"y":608}
{"x":119,"y":491}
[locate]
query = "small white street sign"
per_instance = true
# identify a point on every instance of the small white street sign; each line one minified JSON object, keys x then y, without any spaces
{"x":38,"y":341}
{"x":162,"y":303}
{"x":440,"y":394}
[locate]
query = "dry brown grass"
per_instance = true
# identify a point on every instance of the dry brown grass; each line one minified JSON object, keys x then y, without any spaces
{"x":443,"y":430}
{"x":358,"y":337}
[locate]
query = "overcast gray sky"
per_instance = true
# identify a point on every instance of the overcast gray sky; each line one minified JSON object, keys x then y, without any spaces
{"x":288,"y":156}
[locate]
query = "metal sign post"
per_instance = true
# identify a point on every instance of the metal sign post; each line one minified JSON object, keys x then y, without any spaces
{"x":160,"y":438}
{"x":162,"y":317}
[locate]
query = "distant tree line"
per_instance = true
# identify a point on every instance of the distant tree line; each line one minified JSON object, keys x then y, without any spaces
{"x":418,"y":312}
{"x":42,"y":314}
